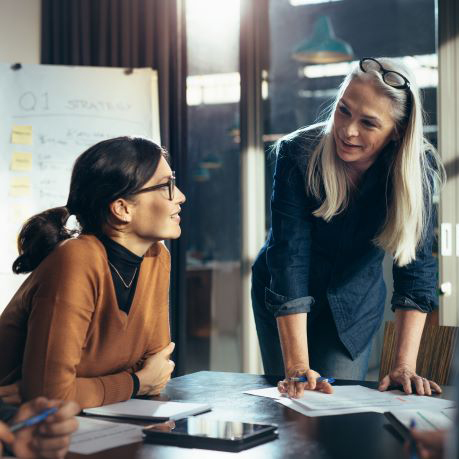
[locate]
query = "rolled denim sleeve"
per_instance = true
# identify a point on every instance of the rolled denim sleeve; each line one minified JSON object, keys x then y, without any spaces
{"x":415,"y":285}
{"x":288,"y":248}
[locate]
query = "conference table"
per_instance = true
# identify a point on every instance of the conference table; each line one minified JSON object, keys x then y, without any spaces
{"x":353,"y":436}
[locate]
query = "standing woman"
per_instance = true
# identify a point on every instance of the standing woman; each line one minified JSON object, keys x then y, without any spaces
{"x":91,"y":322}
{"x":344,"y":193}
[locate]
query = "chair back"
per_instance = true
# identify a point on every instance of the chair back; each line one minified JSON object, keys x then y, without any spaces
{"x":436,"y":352}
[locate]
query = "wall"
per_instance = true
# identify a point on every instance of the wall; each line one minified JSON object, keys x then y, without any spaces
{"x":19,"y":42}
{"x":20,"y":31}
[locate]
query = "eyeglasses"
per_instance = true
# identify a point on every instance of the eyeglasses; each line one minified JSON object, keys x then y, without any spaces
{"x":390,"y":77}
{"x":170,"y":184}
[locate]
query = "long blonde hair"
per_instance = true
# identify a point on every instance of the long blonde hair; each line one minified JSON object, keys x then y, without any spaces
{"x":415,"y":170}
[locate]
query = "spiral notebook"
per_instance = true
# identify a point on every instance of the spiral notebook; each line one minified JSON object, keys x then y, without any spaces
{"x":150,"y":410}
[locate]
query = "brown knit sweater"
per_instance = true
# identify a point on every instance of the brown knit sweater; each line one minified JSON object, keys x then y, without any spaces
{"x":64,"y":336}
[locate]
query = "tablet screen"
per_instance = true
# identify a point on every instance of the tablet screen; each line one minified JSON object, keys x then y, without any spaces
{"x":213,"y":428}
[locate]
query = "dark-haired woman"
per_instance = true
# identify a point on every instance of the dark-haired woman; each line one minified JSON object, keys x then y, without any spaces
{"x":91,"y":321}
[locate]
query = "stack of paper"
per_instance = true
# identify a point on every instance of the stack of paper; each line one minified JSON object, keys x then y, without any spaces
{"x":353,"y":399}
{"x":426,"y":419}
{"x":94,"y":435}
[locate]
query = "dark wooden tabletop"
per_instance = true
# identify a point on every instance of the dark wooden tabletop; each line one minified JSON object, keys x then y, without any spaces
{"x":353,"y":436}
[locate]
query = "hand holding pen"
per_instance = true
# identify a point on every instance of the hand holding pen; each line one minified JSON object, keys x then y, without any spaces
{"x":300,"y":379}
{"x":41,"y":428}
{"x":425,"y":444}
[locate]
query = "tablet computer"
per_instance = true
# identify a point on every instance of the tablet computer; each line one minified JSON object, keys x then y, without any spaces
{"x":203,"y":433}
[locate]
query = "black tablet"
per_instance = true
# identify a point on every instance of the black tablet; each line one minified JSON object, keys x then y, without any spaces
{"x":199,"y":432}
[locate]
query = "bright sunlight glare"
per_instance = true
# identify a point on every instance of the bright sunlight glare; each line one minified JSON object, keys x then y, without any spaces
{"x":215,"y":18}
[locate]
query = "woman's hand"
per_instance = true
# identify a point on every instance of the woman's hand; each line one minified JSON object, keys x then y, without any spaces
{"x":156,"y":371}
{"x":10,"y":394}
{"x":405,"y":376}
{"x":296,"y":389}
{"x":6,"y":436}
{"x":49,"y":439}
{"x":429,"y":445}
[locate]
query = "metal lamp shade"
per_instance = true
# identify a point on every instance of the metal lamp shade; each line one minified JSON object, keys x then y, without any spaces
{"x":323,"y":47}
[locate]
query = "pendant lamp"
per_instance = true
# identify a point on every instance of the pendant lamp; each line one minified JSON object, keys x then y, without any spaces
{"x":323,"y":47}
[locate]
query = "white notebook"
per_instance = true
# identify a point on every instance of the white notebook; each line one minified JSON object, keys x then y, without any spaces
{"x":149,"y":409}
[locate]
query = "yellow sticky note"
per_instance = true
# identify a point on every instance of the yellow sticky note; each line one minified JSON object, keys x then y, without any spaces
{"x":21,"y":162}
{"x":20,"y":186}
{"x":21,"y":135}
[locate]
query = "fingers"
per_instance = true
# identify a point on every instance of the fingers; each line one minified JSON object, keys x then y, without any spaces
{"x":435,"y":387}
{"x":168,"y":349}
{"x":426,"y":384}
{"x":295,"y":389}
{"x":430,"y":439}
{"x":282,"y":386}
{"x":418,"y":384}
{"x":406,"y":384}
{"x":55,"y":429}
{"x":324,"y":387}
{"x":10,"y":394}
{"x":428,"y":387}
{"x":63,"y":422}
{"x":67,"y":410}
{"x":5,"y":434}
{"x":384,"y":383}
{"x":51,"y":447}
{"x":10,"y":389}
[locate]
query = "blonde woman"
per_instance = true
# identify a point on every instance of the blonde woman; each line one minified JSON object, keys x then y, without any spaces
{"x":345,"y":192}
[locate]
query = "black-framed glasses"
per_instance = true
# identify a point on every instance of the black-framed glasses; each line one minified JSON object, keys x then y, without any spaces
{"x":390,"y":77}
{"x":170,"y":184}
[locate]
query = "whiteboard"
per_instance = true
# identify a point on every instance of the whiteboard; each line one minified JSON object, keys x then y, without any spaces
{"x":48,"y":116}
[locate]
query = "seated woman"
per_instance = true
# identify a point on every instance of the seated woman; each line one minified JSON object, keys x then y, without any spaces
{"x":91,"y":322}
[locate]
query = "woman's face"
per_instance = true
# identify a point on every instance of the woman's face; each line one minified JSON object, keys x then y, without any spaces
{"x":154,"y":216}
{"x":362,"y":125}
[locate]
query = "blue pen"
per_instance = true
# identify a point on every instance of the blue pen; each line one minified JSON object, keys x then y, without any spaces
{"x":304,"y":379}
{"x":33,"y":420}
{"x":413,"y":449}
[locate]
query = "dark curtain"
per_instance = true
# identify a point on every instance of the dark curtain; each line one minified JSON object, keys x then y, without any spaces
{"x":115,"y":33}
{"x":134,"y":33}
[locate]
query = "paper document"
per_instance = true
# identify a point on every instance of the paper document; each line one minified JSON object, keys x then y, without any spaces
{"x":426,"y":419}
{"x":269,"y":392}
{"x":353,"y":399}
{"x":94,"y":435}
{"x":149,"y":410}
{"x":289,"y":403}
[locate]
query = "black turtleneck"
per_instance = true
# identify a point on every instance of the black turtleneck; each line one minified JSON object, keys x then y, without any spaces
{"x":125,"y":267}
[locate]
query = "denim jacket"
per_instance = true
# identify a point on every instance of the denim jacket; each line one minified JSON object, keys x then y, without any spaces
{"x":307,"y":263}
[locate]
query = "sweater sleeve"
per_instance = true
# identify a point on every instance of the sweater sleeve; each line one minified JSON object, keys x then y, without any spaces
{"x":61,"y":311}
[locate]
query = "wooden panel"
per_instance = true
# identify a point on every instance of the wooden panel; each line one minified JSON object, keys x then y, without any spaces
{"x":435,"y":352}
